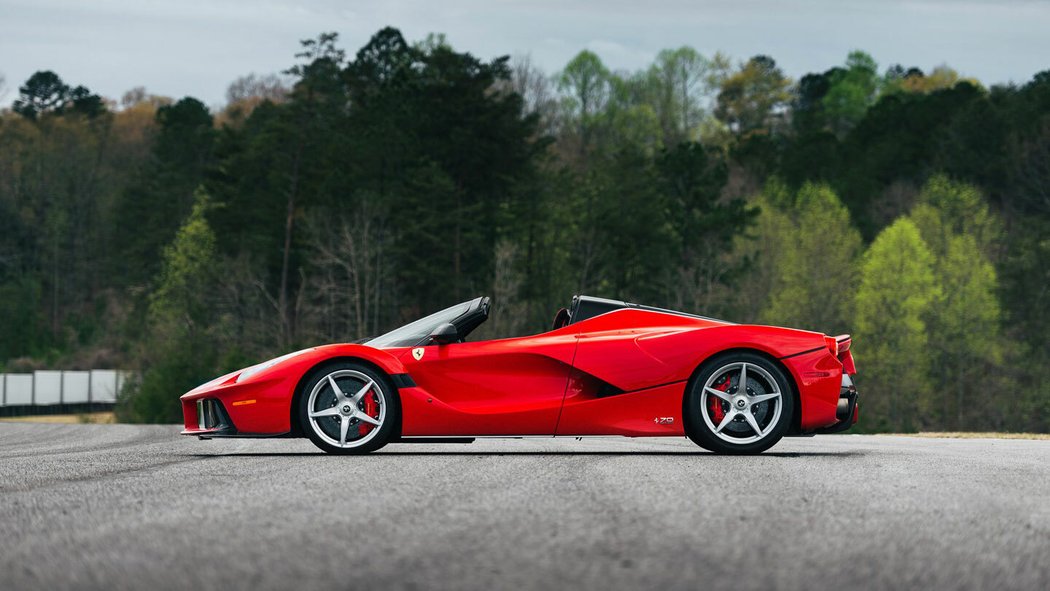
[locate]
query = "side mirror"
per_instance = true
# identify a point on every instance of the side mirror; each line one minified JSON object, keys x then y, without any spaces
{"x":444,"y":334}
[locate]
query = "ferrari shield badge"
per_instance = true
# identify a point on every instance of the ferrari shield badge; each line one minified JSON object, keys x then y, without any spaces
{"x":417,"y":353}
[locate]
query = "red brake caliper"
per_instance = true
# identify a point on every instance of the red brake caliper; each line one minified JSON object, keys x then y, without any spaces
{"x":715,"y":403}
{"x":371,"y":409}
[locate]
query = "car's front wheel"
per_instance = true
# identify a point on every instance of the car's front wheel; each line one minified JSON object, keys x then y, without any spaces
{"x":348,"y":408}
{"x":739,"y":403}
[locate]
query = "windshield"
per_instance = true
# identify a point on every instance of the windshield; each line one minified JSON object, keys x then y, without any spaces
{"x":414,"y":333}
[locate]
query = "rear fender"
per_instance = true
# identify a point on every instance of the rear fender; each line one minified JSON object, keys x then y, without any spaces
{"x":792,"y":380}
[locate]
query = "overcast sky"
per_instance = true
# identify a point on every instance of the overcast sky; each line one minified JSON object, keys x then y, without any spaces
{"x":196,"y":47}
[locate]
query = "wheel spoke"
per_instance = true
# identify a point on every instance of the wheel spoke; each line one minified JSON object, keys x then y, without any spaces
{"x":335,"y":388}
{"x":763,"y":397}
{"x":366,"y":418}
{"x":725,"y":421}
{"x":746,"y":384}
{"x":357,"y":397}
{"x":328,"y":412}
{"x":718,"y":393}
{"x":751,"y":421}
{"x":344,"y":425}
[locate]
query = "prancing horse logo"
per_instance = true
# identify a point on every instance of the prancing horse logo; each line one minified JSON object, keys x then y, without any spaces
{"x":417,"y":353}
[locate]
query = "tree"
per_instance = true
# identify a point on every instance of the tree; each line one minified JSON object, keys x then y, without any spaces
{"x":270,"y":87}
{"x":149,"y":211}
{"x":897,"y":289}
{"x":964,"y":321}
{"x":180,"y":351}
{"x":186,"y":271}
{"x":681,"y":79}
{"x":586,"y":84}
{"x":704,"y":227}
{"x":350,"y":255}
{"x":399,"y":128}
{"x":381,"y":187}
{"x":1029,"y":169}
{"x":751,"y":99}
{"x":1025,"y":297}
{"x":940,"y":78}
{"x":815,"y":259}
{"x":852,"y":90}
{"x":897,"y":141}
{"x":44,"y":92}
{"x":537,"y":92}
{"x":761,"y":258}
{"x":629,"y":119}
{"x":246,"y":93}
{"x":24,"y":329}
{"x":965,"y":340}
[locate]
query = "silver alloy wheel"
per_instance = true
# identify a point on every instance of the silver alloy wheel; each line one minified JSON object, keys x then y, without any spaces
{"x":341,"y":396}
{"x":760,"y":388}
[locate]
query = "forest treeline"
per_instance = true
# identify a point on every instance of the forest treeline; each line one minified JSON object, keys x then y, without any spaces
{"x":350,"y":194}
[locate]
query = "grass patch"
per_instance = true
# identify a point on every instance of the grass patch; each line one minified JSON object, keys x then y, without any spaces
{"x":973,"y":435}
{"x":83,"y":418}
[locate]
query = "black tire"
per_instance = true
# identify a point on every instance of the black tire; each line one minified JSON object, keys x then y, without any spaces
{"x":773,"y":424}
{"x":348,"y":374}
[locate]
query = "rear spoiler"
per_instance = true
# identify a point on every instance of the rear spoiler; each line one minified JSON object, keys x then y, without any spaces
{"x":843,"y":341}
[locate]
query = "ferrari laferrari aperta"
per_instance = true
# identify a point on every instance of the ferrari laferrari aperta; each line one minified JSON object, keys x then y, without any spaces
{"x":606,"y":367}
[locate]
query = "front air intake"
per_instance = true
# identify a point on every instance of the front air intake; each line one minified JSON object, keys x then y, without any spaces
{"x":210,"y":414}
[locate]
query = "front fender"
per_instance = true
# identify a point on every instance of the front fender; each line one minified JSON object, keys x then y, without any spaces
{"x":262,"y":404}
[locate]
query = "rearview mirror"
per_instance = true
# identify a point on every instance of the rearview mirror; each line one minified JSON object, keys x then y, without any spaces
{"x":444,"y":334}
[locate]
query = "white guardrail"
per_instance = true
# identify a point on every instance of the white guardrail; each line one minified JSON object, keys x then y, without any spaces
{"x":46,"y":388}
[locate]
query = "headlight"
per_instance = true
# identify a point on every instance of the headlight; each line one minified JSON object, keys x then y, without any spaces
{"x":247,"y":373}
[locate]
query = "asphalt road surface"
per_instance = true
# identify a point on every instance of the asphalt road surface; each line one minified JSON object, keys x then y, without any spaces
{"x":138,"y":507}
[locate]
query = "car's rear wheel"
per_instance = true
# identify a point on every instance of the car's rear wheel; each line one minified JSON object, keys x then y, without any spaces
{"x":348,"y":408}
{"x":739,"y":403}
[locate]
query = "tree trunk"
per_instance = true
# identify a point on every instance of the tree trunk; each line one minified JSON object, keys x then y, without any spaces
{"x":289,"y":224}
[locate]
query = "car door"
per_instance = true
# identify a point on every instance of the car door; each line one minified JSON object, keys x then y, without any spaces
{"x":628,"y":376}
{"x":501,"y":387}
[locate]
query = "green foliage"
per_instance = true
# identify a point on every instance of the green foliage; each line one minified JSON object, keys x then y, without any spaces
{"x":149,"y":212}
{"x":187,"y":272}
{"x":947,"y":209}
{"x":24,"y":331}
{"x":367,"y":189}
{"x":897,"y":290}
{"x":585,"y":79}
{"x":45,"y":92}
{"x":966,"y":349}
{"x":677,"y":84}
{"x":1027,"y":279}
{"x":815,"y":258}
{"x":851,"y":92}
{"x":750,"y":99}
{"x":965,"y":337}
{"x":914,"y":80}
{"x":702,"y":226}
{"x":181,"y":346}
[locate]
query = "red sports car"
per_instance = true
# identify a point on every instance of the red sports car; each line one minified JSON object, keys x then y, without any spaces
{"x":606,"y":367}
